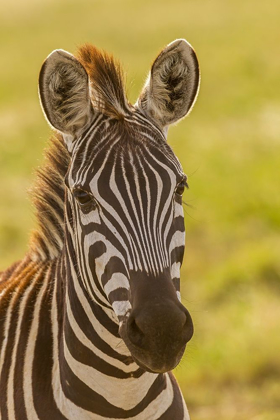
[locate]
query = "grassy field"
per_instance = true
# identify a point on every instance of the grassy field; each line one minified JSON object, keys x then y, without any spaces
{"x":229,"y":147}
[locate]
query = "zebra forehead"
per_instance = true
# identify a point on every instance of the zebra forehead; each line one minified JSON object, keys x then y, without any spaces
{"x":121,"y":145}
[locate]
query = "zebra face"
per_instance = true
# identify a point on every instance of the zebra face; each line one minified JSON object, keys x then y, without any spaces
{"x":125,"y":190}
{"x":124,"y":214}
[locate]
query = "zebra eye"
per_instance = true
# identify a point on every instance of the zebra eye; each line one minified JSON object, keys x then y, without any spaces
{"x":181,"y":187}
{"x":84,"y":199}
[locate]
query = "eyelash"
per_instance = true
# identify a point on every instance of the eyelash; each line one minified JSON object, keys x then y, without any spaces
{"x":180,"y":188}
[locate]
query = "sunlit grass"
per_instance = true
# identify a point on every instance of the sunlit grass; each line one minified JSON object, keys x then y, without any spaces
{"x":229,"y":147}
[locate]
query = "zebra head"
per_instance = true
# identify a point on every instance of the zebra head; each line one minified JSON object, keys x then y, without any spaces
{"x":124,"y":218}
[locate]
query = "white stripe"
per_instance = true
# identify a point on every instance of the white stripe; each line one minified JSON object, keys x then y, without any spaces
{"x":116,"y":281}
{"x":11,"y":385}
{"x":178,"y":239}
{"x":175,"y":270}
{"x":121,"y":307}
{"x":178,"y":209}
{"x":29,"y":354}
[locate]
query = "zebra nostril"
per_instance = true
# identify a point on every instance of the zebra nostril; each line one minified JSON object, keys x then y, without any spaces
{"x":135,"y":334}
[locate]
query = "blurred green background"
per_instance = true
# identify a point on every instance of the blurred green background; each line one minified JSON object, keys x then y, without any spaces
{"x":229,"y":146}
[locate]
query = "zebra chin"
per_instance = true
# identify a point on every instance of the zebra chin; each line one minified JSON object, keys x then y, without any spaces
{"x":155,"y":363}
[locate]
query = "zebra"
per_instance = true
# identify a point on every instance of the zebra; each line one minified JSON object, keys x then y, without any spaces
{"x":91,"y":322}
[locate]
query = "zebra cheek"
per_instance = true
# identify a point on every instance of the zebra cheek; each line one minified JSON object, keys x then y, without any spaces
{"x":116,"y":286}
{"x":90,"y":217}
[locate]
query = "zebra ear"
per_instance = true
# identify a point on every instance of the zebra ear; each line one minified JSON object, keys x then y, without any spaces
{"x":172,"y":85}
{"x":64,"y":94}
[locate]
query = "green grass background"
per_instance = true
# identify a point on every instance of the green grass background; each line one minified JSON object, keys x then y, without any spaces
{"x":229,"y":146}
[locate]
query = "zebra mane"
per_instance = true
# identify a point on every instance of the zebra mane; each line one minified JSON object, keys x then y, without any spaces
{"x":48,"y":198}
{"x":106,"y":81}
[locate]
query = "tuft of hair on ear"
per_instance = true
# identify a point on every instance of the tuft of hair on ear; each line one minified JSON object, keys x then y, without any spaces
{"x":170,"y":82}
{"x":64,"y":93}
{"x":106,"y":80}
{"x":172,"y":86}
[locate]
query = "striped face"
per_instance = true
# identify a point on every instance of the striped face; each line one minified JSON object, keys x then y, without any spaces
{"x":125,"y":190}
{"x":124,"y":212}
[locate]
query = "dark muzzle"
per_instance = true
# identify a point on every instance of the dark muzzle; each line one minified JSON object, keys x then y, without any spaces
{"x":158,"y":327}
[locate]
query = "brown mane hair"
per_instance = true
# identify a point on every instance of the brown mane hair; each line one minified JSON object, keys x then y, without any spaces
{"x":107,"y":81}
{"x":48,"y":198}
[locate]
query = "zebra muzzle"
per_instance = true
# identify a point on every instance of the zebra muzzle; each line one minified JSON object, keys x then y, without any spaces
{"x":156,"y":334}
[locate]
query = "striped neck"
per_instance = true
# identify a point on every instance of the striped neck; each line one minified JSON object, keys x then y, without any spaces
{"x":92,"y":363}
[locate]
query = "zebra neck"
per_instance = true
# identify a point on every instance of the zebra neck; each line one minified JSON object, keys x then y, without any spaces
{"x":91,"y":363}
